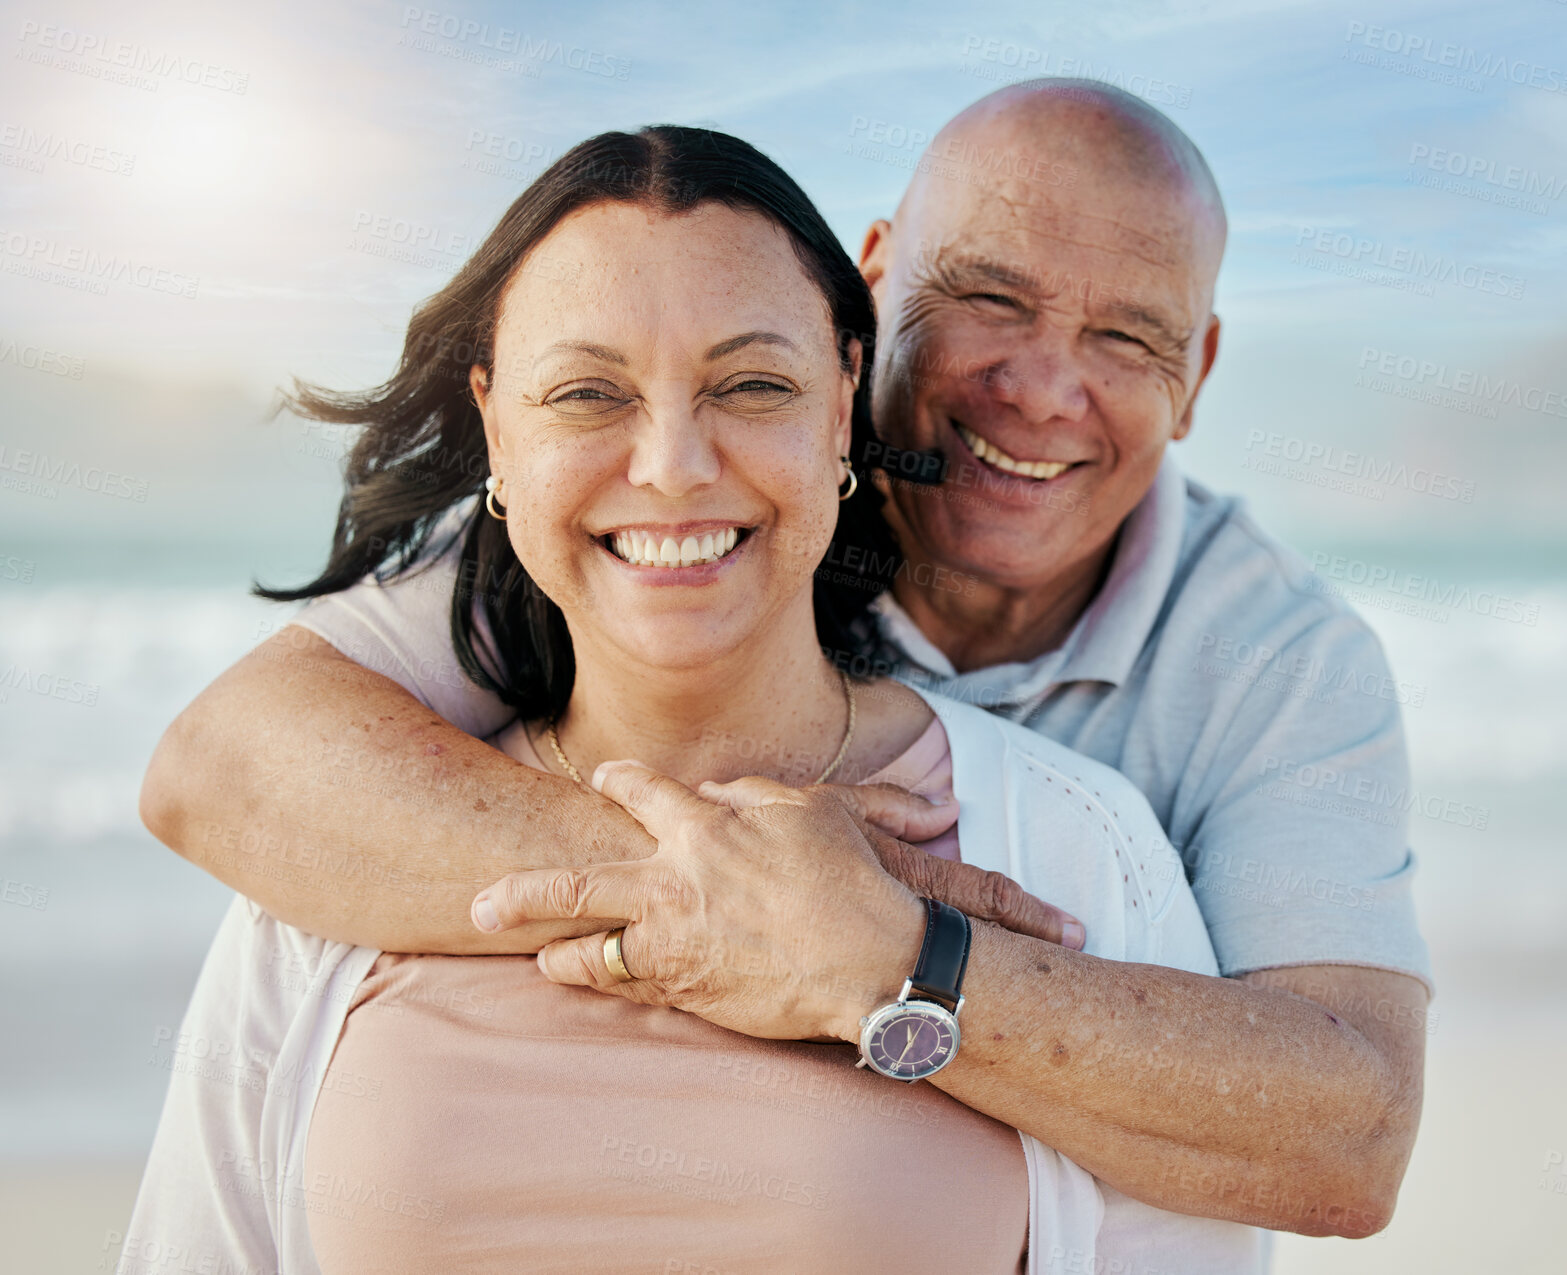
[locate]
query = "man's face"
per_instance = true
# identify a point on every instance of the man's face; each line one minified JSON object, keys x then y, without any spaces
{"x":1049,"y":337}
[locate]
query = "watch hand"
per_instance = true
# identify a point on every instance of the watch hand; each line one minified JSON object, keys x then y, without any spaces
{"x":909,"y":1044}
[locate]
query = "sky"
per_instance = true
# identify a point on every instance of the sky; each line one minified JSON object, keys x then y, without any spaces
{"x":270,"y":190}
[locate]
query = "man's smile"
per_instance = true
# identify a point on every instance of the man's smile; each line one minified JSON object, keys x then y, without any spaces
{"x":988,"y":453}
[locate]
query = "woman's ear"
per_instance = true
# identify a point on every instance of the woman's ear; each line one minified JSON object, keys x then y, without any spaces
{"x":856,"y":353}
{"x":845,"y":427}
{"x":479,"y":387}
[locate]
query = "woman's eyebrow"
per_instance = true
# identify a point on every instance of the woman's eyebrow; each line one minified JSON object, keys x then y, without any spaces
{"x":586,"y":347}
{"x":749,"y":338}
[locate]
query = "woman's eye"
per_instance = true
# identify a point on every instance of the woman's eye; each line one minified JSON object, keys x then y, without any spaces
{"x":586,"y":396}
{"x":992,"y":298}
{"x":757,"y":387}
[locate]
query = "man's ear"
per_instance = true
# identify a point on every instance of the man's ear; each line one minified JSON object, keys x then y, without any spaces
{"x":1210,"y":352}
{"x":876,"y":253}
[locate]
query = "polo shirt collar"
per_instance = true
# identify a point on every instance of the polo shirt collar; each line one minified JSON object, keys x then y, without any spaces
{"x":1108,"y":637}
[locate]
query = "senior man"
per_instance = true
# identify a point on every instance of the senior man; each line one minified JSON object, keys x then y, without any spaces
{"x":1044,"y":296}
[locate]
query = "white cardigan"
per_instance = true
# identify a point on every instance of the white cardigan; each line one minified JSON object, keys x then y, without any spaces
{"x":225,"y":1183}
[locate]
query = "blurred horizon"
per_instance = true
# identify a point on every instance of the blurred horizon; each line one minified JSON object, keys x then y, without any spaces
{"x":285,"y":209}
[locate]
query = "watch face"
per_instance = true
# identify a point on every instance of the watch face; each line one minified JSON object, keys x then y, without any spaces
{"x":912,"y":1042}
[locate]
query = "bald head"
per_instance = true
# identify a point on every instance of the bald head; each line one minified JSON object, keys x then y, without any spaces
{"x":1100,"y":136}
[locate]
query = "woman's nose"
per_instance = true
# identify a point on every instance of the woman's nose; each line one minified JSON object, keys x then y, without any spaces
{"x":672,"y":451}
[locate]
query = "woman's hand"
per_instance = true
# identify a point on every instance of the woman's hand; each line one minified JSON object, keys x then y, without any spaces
{"x":765,"y":909}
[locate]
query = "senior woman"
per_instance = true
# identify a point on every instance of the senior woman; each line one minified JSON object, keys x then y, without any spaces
{"x":661,"y":382}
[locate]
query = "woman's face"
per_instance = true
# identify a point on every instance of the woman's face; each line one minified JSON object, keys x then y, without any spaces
{"x":666,"y":418}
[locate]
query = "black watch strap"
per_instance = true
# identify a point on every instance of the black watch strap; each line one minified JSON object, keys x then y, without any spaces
{"x":938,"y":975}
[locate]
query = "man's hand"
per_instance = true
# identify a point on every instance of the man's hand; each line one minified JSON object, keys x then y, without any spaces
{"x":769,"y":916}
{"x":891,"y":816}
{"x":885,"y":813}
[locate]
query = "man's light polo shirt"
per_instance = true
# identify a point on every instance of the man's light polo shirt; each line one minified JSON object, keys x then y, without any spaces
{"x":1256,"y":714}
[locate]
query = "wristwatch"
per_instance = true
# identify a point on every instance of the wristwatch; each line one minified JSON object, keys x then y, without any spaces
{"x":917,"y":1035}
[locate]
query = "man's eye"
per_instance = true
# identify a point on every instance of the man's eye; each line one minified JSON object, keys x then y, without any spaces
{"x":993,"y":298}
{"x":1126,"y":337}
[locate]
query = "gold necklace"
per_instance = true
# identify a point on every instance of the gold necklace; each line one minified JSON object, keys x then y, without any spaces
{"x":843,"y":748}
{"x":560,"y":753}
{"x":848,"y":734}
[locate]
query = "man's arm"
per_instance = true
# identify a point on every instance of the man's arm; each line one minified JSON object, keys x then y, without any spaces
{"x":1287,"y":1095}
{"x":1288,"y":1099}
{"x":345,"y":807}
{"x":1202,"y":1095}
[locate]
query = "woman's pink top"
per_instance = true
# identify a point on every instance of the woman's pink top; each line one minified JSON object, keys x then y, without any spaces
{"x":500,"y":1122}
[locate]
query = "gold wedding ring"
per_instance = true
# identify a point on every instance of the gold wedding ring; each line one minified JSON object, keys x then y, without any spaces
{"x":615,"y":959}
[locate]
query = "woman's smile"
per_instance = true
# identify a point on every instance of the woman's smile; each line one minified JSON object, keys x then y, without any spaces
{"x":679,"y":546}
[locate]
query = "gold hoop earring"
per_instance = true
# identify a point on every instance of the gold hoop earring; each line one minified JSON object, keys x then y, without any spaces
{"x":854,"y":480}
{"x":492,"y":484}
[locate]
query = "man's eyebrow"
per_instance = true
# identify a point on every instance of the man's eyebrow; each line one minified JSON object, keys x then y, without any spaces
{"x":587,"y":347}
{"x":984,"y":268}
{"x":749,"y":338}
{"x":1141,"y":316}
{"x":1041,"y":283}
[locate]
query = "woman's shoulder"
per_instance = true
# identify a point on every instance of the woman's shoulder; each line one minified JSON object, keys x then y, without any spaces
{"x":276,"y":970}
{"x":1077,"y":831}
{"x":890,"y":720}
{"x":516,"y":741}
{"x":975,"y":729}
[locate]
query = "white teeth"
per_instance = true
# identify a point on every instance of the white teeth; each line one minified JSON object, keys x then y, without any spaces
{"x":993,"y":455}
{"x":642,"y":550}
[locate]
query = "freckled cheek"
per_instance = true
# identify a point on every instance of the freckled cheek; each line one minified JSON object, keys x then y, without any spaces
{"x":796,"y":480}
{"x":549,"y":498}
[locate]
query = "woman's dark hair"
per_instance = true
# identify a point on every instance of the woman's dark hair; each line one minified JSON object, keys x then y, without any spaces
{"x":421,"y":450}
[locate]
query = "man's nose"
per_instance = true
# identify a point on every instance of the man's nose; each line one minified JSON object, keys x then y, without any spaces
{"x":1042,"y":377}
{"x":672,"y":451}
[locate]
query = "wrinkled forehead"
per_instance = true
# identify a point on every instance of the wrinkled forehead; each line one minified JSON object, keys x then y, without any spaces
{"x":1068,"y":235}
{"x":1044,"y":209}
